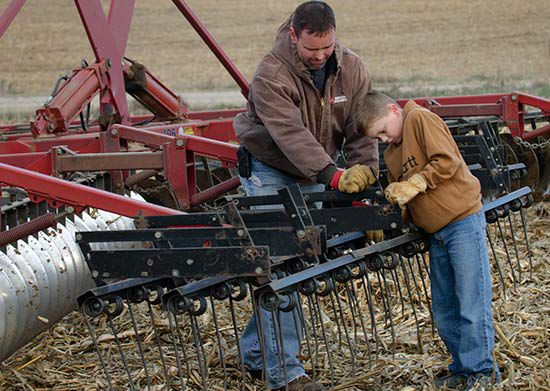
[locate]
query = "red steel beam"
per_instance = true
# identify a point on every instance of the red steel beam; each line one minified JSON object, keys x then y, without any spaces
{"x":9,"y":14}
{"x":79,"y":196}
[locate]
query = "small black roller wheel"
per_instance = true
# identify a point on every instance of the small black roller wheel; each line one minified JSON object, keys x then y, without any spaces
{"x":491,"y":216}
{"x":325,"y":286}
{"x":391,"y":261}
{"x":359,"y":270}
{"x":408,"y":250}
{"x":198,"y":306}
{"x":178,"y":305}
{"x":343,"y":274}
{"x":527,"y":201}
{"x":269,"y":301}
{"x":515,"y":205}
{"x":375,"y":262}
{"x":221,"y":291}
{"x":503,"y":211}
{"x":154,"y":294}
{"x":115,"y":306}
{"x":307,"y":287}
{"x":93,"y":306}
{"x":239,"y":291}
{"x":136,"y":294}
{"x":287,"y":301}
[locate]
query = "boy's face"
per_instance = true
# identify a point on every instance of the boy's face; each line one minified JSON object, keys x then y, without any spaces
{"x":389,"y":128}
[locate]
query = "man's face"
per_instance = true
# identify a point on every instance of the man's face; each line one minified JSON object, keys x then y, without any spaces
{"x":389,"y":128}
{"x":313,"y":49}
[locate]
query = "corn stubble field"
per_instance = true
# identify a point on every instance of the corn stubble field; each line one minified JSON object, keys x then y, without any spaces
{"x":410,"y":47}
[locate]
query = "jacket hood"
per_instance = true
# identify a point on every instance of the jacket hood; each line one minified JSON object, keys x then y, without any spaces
{"x":286,"y":52}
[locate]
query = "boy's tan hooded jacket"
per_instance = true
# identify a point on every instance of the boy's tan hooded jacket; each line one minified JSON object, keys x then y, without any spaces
{"x":289,"y":126}
{"x":428,"y":148}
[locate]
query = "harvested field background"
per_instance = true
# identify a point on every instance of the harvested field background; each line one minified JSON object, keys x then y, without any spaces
{"x":410,"y":46}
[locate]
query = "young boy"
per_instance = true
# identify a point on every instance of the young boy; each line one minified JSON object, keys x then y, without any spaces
{"x":429,"y":178}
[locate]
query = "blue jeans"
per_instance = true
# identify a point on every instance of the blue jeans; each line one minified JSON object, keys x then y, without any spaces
{"x":266,"y":180}
{"x":461,"y":295}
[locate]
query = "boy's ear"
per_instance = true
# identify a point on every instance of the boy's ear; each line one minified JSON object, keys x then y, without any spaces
{"x":393,"y":108}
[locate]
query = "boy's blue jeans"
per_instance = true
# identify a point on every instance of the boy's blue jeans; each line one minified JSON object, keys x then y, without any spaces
{"x":265,"y":180}
{"x":461,"y":295}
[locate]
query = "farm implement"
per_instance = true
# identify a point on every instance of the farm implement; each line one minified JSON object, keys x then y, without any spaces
{"x":137,"y":221}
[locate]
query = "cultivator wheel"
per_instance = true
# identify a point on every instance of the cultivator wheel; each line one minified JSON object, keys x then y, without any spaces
{"x":348,"y":305}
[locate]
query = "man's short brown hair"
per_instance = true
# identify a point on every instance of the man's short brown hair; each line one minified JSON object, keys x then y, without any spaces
{"x":370,"y":108}
{"x":316,"y":17}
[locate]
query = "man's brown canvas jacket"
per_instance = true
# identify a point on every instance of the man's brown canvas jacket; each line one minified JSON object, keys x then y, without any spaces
{"x":290,"y":126}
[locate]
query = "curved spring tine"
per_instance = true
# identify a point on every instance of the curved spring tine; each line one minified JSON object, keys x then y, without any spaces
{"x":386,"y":305}
{"x":327,"y":346}
{"x":368,"y":294}
{"x":173,"y":337}
{"x":360,"y":313}
{"x":313,"y":316}
{"x":413,"y":277}
{"x":94,"y":340}
{"x":503,"y":238}
{"x":140,"y":347}
{"x":424,"y":286}
{"x":219,"y":340}
{"x":236,"y":332}
{"x":393,"y":340}
{"x":120,"y":351}
{"x":157,"y":339}
{"x":279,"y":341}
{"x":524,"y":227}
{"x":513,"y":234}
{"x":299,"y":312}
{"x":332,"y":301}
{"x":409,"y":291}
{"x":257,"y":318}
{"x":345,"y":327}
{"x":497,"y":263}
{"x":201,"y":357}
{"x":398,"y":288}
{"x":430,"y":306}
{"x":180,"y":339}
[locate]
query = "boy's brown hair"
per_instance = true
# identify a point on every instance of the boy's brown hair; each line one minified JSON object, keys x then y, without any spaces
{"x":372,"y":107}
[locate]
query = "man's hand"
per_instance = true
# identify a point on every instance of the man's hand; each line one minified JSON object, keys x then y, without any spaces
{"x":354,"y":179}
{"x":402,"y":192}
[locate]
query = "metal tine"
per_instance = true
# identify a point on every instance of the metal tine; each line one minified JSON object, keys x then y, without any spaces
{"x":301,"y":321}
{"x":398,"y":288}
{"x":513,"y":234}
{"x":156,"y":300}
{"x":354,"y":297}
{"x":334,"y":311}
{"x":503,"y":239}
{"x":140,"y":347}
{"x":237,"y":341}
{"x":424,"y":287}
{"x":173,"y":338}
{"x":259,"y":326}
{"x":327,"y":346}
{"x":313,"y":316}
{"x":345,"y":327}
{"x":409,"y":291}
{"x":426,"y":267}
{"x":367,"y":288}
{"x":199,"y":349}
{"x":524,"y":226}
{"x":390,"y":316}
{"x":119,"y":306}
{"x":497,"y":262}
{"x":413,"y":277}
{"x":219,"y":340}
{"x":279,"y":341}
{"x":91,"y":330}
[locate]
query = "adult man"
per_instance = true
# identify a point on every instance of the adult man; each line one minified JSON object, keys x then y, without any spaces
{"x":299,"y":116}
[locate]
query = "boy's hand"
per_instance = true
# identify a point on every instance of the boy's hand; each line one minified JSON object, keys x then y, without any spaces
{"x":354,"y":179}
{"x":402,"y":192}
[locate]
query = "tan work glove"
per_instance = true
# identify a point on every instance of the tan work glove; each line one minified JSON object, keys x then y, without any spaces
{"x":402,"y":192}
{"x":375,"y":236}
{"x":354,"y":179}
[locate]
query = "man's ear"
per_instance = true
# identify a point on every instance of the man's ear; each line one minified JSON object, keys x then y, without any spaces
{"x":393,"y":108}
{"x":293,"y":36}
